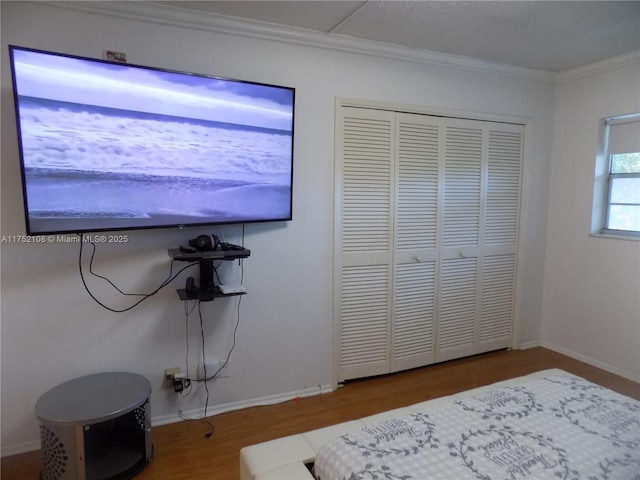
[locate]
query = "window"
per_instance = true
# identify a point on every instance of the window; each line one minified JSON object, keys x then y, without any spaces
{"x":617,"y":191}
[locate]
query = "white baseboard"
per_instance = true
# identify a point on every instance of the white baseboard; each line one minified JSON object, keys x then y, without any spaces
{"x":596,"y":363}
{"x":229,"y":407}
{"x":197,"y":413}
{"x":531,"y":344}
{"x":20,"y":448}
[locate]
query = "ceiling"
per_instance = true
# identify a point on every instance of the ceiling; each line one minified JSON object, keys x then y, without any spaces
{"x":548,"y":35}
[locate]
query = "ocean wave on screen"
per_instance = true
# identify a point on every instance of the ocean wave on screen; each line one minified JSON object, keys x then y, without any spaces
{"x":73,"y":212}
{"x":88,"y":141}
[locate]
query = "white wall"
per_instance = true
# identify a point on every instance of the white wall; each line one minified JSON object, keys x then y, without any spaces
{"x":591,"y":285}
{"x":52,"y":331}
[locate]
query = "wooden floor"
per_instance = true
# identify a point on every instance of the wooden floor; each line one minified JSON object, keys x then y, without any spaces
{"x":181,"y":450}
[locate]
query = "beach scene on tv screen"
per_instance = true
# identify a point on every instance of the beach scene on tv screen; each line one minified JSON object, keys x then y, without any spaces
{"x":113,"y":146}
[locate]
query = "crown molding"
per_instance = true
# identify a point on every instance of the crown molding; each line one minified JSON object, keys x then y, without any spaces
{"x":175,"y":16}
{"x":602,"y":66}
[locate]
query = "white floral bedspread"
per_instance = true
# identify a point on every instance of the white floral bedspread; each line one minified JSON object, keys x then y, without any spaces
{"x":560,"y":427}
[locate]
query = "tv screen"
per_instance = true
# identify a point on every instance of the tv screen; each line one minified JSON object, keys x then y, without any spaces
{"x":112,"y":146}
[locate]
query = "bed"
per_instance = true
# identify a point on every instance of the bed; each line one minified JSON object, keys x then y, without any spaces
{"x":546,"y":425}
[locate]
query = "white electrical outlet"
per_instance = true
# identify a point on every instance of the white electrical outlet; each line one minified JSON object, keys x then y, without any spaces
{"x":169,"y":375}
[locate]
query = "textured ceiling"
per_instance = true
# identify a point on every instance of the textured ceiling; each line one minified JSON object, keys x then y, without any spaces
{"x":549,"y":35}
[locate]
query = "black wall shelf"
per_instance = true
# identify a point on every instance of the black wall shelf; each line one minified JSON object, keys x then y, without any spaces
{"x":179,"y":255}
{"x":206,"y":259}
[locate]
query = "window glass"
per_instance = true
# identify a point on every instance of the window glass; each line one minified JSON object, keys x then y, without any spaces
{"x":625,"y":190}
{"x":625,"y":163}
{"x":624,"y":217}
{"x":624,"y":193}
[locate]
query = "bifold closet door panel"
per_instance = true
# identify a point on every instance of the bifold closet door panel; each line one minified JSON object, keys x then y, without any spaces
{"x":364,"y":241}
{"x":460,"y":230}
{"x":481,"y":203}
{"x":418,"y":147}
{"x":500,"y":235}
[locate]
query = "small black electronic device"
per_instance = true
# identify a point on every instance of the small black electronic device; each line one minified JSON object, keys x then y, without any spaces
{"x":230,"y":246}
{"x":190,"y":285}
{"x":205,"y":243}
{"x":188,"y":249}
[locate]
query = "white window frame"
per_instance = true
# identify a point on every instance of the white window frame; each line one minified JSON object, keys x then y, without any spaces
{"x":602,"y":184}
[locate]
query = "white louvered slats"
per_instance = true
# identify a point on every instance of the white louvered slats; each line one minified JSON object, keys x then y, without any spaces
{"x":503,"y":187}
{"x":365,"y":318}
{"x":498,"y":288}
{"x":462,"y":183}
{"x":456,"y":321}
{"x":427,"y":217}
{"x":366,"y":207}
{"x":417,"y":197}
{"x":413,"y":316}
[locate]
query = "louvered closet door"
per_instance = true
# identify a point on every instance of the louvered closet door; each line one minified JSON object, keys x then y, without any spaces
{"x":416,"y":213}
{"x":427,"y":214}
{"x":363,"y":252}
{"x":479,"y":231}
{"x":500,"y":235}
{"x":459,"y":237}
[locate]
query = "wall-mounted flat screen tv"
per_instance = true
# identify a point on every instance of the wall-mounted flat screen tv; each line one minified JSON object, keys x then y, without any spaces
{"x":112,"y":146}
